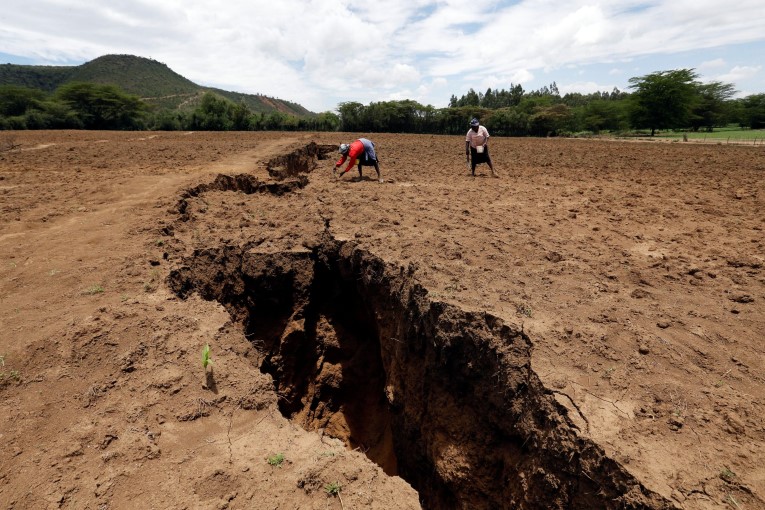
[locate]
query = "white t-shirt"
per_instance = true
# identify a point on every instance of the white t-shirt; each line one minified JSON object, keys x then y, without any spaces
{"x":477,"y":138}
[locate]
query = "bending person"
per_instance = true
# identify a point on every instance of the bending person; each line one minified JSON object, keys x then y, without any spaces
{"x":477,"y":148}
{"x":360,"y":152}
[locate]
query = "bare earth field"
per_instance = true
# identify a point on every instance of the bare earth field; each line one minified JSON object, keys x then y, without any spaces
{"x":584,"y":332}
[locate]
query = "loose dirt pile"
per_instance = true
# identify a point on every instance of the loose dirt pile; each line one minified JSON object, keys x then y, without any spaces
{"x":583,"y":333}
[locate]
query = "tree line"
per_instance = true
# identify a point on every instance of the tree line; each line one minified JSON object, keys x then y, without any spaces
{"x":658,"y":101}
{"x":96,"y":106}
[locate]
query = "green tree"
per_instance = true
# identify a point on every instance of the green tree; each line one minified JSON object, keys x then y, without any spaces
{"x":710,"y":109}
{"x":663,"y":99}
{"x":549,"y":120}
{"x":240,"y":116}
{"x":604,"y":115}
{"x":102,"y":106}
{"x":351,"y":115}
{"x":15,"y":100}
{"x":167,"y":120}
{"x":754,"y":111}
{"x":508,"y":121}
{"x":213,"y":113}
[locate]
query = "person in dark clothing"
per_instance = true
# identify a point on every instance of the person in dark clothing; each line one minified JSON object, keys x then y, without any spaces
{"x":477,"y":148}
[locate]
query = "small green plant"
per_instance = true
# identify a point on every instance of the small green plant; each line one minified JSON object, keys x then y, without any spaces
{"x":206,"y":356}
{"x":94,"y":289}
{"x":276,"y":460}
{"x":160,"y":242}
{"x":333,"y":489}
{"x":727,"y":475}
{"x":13,"y":375}
{"x":153,"y":283}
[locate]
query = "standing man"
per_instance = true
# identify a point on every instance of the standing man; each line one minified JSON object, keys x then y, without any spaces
{"x":361,"y":152}
{"x":477,"y":148}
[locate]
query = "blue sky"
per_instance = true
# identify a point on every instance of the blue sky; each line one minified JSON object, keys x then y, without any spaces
{"x":322,"y":52}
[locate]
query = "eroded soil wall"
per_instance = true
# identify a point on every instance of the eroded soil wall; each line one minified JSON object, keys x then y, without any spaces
{"x":445,"y":398}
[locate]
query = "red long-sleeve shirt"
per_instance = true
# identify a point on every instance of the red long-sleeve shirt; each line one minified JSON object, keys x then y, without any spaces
{"x":356,"y":150}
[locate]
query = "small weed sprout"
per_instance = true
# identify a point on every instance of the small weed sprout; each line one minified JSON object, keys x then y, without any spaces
{"x":13,"y":375}
{"x":206,"y":356}
{"x":727,"y":475}
{"x":94,"y":289}
{"x":333,"y":489}
{"x":153,"y":282}
{"x":276,"y":460}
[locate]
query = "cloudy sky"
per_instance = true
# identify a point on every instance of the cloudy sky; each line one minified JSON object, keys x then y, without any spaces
{"x":322,"y":52}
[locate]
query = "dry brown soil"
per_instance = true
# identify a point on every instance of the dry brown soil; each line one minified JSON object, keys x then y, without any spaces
{"x":584,"y":332}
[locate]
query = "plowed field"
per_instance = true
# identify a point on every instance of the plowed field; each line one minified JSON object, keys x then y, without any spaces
{"x":585,"y":331}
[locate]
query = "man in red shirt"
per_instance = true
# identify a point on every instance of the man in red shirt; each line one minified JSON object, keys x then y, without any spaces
{"x":359,"y":152}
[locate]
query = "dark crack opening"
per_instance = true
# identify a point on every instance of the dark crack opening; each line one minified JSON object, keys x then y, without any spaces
{"x":444,"y":398}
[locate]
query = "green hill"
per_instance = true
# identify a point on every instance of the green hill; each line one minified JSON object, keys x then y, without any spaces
{"x":152,"y":81}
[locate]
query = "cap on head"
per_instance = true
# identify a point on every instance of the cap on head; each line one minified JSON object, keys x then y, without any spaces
{"x":474,"y":122}
{"x":344,"y":148}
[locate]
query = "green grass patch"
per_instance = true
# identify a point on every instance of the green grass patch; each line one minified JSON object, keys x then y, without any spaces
{"x":276,"y":460}
{"x":725,"y":133}
{"x":94,"y":289}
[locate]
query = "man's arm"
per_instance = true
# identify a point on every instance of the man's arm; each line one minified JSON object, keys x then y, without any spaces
{"x":353,"y":155}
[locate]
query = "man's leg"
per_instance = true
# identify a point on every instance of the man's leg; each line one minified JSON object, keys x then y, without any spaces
{"x":491,"y":167}
{"x":377,"y":168}
{"x":361,"y":176}
{"x":488,"y":162}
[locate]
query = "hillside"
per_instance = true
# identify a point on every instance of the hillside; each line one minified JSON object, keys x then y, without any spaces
{"x":153,"y":81}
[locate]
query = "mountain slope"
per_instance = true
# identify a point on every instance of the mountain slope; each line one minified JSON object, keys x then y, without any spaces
{"x":152,"y":81}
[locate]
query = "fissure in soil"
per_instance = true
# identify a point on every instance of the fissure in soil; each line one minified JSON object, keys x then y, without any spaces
{"x":444,"y":398}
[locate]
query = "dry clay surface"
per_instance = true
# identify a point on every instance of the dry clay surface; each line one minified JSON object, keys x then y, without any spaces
{"x":628,"y":278}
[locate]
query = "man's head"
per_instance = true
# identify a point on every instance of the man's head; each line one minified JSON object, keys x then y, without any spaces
{"x":474,"y":124}
{"x":344,"y":148}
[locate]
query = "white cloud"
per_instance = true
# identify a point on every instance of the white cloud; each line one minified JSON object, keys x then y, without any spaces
{"x":739,"y":73}
{"x":711,"y":64}
{"x":321,"y":52}
{"x":583,"y":87}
